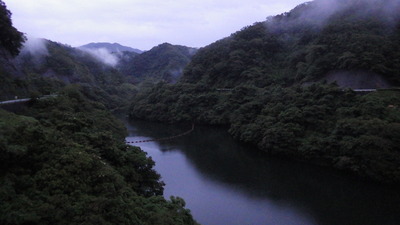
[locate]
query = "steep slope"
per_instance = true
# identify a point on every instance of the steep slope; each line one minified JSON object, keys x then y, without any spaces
{"x":163,"y":62}
{"x":63,"y":159}
{"x":10,"y":38}
{"x":305,"y":44}
{"x":11,"y":41}
{"x":43,"y":67}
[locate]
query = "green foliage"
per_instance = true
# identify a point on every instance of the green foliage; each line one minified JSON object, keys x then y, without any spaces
{"x":66,"y":162}
{"x":260,"y":82}
{"x":10,"y":38}
{"x":161,"y":63}
{"x":304,"y":44}
{"x":319,"y":123}
{"x":63,"y":65}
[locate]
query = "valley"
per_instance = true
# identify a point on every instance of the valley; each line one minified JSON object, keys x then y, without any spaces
{"x":296,"y":117}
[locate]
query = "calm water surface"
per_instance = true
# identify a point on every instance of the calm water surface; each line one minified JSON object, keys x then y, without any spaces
{"x":226,"y":183}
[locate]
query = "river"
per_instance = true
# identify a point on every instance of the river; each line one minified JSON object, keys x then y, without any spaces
{"x":226,"y":183}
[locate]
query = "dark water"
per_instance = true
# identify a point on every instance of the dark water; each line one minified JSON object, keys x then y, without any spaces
{"x":226,"y":183}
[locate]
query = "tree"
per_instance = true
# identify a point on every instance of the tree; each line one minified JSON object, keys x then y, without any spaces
{"x":10,"y":38}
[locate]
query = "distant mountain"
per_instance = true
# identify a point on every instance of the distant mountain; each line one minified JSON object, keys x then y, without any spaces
{"x":163,"y":62}
{"x":115,"y":47}
{"x":45,"y":67}
{"x":58,"y":61}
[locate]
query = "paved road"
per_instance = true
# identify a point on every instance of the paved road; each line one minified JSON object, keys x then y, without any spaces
{"x":14,"y":101}
{"x":25,"y":99}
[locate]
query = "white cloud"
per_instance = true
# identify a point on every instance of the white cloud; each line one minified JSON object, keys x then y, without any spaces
{"x":103,"y":55}
{"x":141,"y":23}
{"x":35,"y":46}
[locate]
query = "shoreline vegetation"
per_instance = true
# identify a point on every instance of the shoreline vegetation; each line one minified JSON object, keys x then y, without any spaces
{"x":64,"y":160}
{"x":318,"y":124}
{"x":281,"y":85}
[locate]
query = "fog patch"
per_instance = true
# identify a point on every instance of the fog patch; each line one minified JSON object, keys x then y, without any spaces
{"x":192,"y":51}
{"x":35,"y":47}
{"x":103,"y":55}
{"x":175,"y":74}
{"x":317,"y":13}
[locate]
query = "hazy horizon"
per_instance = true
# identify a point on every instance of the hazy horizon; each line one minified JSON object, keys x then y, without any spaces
{"x":140,"y":24}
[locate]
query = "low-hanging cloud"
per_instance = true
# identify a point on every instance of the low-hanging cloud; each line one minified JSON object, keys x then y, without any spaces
{"x":318,"y":12}
{"x":103,"y":55}
{"x":35,"y":47}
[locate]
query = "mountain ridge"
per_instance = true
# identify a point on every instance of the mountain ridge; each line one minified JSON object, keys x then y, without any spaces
{"x":163,"y":62}
{"x":298,"y":46}
{"x":112,"y":47}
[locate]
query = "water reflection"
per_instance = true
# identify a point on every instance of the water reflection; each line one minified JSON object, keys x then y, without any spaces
{"x":223,"y":181}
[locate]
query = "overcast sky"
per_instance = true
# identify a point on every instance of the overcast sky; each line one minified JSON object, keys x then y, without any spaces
{"x":140,"y":24}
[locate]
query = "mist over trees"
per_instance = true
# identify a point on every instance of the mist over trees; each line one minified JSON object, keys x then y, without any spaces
{"x":44,"y":66}
{"x":268,"y":83}
{"x":304,"y":45}
{"x":64,"y":159}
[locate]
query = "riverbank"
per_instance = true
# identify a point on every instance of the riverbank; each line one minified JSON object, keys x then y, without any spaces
{"x":317,"y":124}
{"x":64,"y":161}
{"x":226,"y":182}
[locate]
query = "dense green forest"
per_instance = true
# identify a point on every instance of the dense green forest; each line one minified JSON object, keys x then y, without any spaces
{"x":10,"y":38}
{"x":164,"y":62}
{"x":63,"y":158}
{"x":64,"y":161}
{"x":320,"y":123}
{"x":267,"y":81}
{"x":52,"y":66}
{"x":47,"y":66}
{"x":303,"y":45}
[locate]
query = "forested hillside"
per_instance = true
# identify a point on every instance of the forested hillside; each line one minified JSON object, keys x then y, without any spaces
{"x":304,"y":45}
{"x":114,"y":47}
{"x":164,"y":62}
{"x":11,"y":41}
{"x":64,"y":161}
{"x":267,"y":82}
{"x":10,"y":38}
{"x":43,"y":67}
{"x":63,"y":158}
